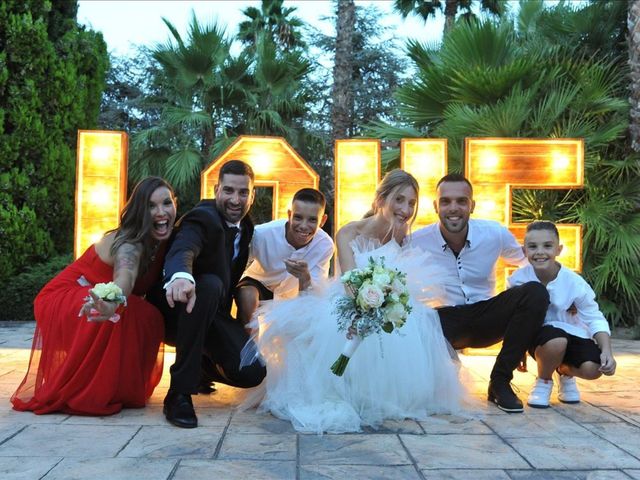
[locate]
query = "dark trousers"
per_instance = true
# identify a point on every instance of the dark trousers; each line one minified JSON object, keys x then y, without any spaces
{"x":207,"y":340}
{"x":514,"y":316}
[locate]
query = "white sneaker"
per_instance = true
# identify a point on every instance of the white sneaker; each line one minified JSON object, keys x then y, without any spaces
{"x":540,"y":394}
{"x":568,"y":389}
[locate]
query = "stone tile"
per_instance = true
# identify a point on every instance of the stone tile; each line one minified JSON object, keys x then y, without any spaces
{"x":55,"y":440}
{"x":585,"y":413}
{"x":235,"y":470}
{"x":612,"y":399}
{"x":352,"y":449}
{"x":9,"y":415}
{"x":22,"y":468}
{"x":150,"y":415}
{"x":111,"y":469}
{"x":173,"y":442}
{"x":139,"y":443}
{"x":569,"y":475}
{"x":623,"y":435}
{"x":459,"y":474}
{"x":441,"y":424}
{"x":630,"y":415}
{"x":358,"y":472}
{"x":7,"y":430}
{"x":252,"y":422}
{"x":224,"y":397}
{"x":258,"y":447}
{"x":396,"y":426}
{"x":534,"y":423}
{"x":586,"y":451}
{"x":462,"y":451}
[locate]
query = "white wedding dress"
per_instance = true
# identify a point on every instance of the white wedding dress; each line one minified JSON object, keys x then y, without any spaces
{"x":408,"y":374}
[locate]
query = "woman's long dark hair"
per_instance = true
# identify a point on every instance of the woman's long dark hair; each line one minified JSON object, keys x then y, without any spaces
{"x":136,"y":223}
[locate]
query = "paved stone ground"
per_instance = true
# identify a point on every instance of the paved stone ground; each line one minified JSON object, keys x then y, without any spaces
{"x":598,"y":439}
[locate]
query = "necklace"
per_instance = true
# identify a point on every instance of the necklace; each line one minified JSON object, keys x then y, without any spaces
{"x":154,"y":251}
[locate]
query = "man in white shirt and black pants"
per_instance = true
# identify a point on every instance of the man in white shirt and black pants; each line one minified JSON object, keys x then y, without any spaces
{"x":472,"y":315}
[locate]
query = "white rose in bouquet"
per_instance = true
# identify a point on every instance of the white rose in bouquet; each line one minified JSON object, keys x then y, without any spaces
{"x":381,"y":279}
{"x":370,"y":296}
{"x":396,"y":314}
{"x":398,"y":287}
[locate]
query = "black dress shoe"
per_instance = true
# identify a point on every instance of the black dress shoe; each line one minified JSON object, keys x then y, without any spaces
{"x":502,"y":395}
{"x":178,"y":409}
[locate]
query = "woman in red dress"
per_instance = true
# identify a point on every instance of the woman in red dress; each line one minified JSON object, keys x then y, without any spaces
{"x":81,"y":362}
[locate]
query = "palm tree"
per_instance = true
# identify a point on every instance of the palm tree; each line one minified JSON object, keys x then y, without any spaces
{"x":342,"y":93}
{"x":274,"y":21}
{"x":494,"y":79}
{"x":198,"y":80}
{"x":274,"y":100}
{"x":633,"y":24}
{"x":427,"y":9}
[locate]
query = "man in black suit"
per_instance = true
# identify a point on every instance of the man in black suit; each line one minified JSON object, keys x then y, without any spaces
{"x":208,"y":255}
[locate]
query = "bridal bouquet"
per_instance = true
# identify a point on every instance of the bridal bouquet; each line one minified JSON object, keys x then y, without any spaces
{"x":379,"y":302}
{"x":108,"y":292}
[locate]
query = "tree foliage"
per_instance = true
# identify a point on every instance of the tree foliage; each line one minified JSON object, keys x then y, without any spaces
{"x":532,"y":79}
{"x":51,"y":80}
{"x":273,"y":20}
{"x":427,"y":9}
{"x":208,"y":96}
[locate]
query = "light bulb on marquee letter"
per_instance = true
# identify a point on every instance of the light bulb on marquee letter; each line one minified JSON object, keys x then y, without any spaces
{"x":357,"y":173}
{"x":101,"y":185}
{"x":495,"y":166}
{"x":275,"y":164}
{"x":426,"y":160}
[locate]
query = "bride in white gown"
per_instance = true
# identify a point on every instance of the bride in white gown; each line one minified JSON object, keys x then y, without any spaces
{"x":409,"y":374}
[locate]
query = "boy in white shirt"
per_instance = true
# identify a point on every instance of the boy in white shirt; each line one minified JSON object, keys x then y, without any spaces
{"x":565,"y":344}
{"x":289,"y":256}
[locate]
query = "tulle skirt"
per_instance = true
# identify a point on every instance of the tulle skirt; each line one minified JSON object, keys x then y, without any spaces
{"x":408,"y":374}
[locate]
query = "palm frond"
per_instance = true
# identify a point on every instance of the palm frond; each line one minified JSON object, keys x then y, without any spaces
{"x":182,"y":167}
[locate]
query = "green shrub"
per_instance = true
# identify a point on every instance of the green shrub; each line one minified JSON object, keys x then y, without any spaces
{"x":17,"y":294}
{"x":51,"y":80}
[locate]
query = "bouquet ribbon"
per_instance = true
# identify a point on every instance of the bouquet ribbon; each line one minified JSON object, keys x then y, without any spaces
{"x":349,"y":348}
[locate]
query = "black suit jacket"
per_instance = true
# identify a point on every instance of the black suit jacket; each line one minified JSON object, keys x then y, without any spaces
{"x":198,"y":247}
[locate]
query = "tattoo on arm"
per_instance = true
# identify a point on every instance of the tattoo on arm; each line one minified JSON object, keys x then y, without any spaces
{"x":126,"y":263}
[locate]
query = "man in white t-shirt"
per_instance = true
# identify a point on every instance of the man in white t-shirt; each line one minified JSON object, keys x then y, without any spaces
{"x":289,"y":255}
{"x":465,"y":252}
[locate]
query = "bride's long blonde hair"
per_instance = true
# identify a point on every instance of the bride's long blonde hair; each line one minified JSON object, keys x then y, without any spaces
{"x":388,"y":188}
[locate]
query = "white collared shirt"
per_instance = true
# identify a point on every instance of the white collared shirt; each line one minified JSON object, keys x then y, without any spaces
{"x":471,"y":276}
{"x":567,"y":289}
{"x":269,"y":249}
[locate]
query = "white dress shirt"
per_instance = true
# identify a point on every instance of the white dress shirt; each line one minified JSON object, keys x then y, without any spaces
{"x":471,"y":276}
{"x":567,"y":289}
{"x":269,"y":249}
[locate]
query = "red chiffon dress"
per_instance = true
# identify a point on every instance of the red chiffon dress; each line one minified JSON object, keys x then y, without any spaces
{"x":92,"y":368}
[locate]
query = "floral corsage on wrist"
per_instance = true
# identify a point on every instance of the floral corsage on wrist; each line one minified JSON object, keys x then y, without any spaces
{"x":107,"y":292}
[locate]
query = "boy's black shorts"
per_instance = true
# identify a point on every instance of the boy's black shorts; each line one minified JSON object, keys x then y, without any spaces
{"x":264,"y":292}
{"x":579,"y":350}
